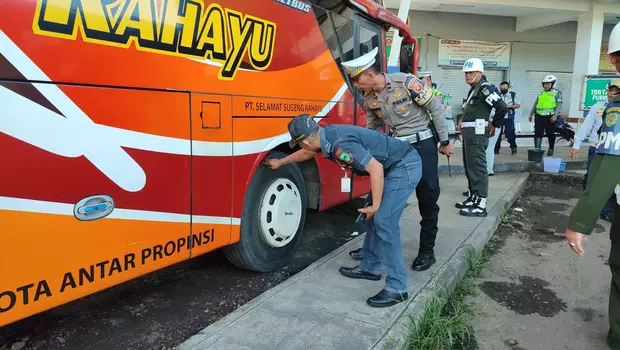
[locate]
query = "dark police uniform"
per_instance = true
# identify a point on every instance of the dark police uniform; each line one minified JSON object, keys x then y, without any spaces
{"x":604,"y":181}
{"x":353,"y":147}
{"x":482,"y":98}
{"x":404,"y":106}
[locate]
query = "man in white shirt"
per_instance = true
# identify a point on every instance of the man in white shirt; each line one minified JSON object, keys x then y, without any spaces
{"x":590,"y":128}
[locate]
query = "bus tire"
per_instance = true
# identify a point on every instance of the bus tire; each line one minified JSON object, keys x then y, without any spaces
{"x":272,"y":221}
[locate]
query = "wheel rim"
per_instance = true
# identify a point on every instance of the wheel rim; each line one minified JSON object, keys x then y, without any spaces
{"x":280,"y":212}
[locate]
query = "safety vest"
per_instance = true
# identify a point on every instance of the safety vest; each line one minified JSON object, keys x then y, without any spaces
{"x":609,"y":137}
{"x":547,"y":102}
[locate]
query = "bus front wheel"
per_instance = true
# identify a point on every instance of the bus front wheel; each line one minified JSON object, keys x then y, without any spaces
{"x":273,"y":218}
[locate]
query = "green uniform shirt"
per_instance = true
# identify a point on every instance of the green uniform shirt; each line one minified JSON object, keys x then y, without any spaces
{"x":604,"y":175}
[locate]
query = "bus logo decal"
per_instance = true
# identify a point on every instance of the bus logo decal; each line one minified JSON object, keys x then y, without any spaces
{"x":182,"y":28}
{"x":298,"y":5}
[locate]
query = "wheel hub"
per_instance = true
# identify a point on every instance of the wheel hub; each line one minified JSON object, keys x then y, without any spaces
{"x":280,"y":212}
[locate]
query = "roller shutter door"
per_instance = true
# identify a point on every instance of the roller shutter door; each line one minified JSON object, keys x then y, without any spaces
{"x":452,"y":83}
{"x":533,"y":86}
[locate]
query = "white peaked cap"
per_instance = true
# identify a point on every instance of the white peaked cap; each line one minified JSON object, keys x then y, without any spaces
{"x":356,"y":66}
{"x":424,"y":74}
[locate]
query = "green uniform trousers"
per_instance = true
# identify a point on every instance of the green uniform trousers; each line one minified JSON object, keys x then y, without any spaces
{"x":602,"y":179}
{"x":475,"y":161}
{"x":613,"y":337}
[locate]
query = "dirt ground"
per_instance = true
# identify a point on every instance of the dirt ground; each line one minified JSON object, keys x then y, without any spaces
{"x":534,"y":292}
{"x":164,"y":308}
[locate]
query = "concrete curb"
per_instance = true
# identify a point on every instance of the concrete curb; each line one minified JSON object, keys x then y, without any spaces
{"x":266,"y":295}
{"x":449,"y":274}
{"x":514,"y":167}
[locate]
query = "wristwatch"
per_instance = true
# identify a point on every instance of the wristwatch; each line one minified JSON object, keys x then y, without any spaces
{"x":445,"y":143}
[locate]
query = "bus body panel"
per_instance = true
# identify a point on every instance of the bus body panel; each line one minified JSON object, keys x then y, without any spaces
{"x":167,"y":107}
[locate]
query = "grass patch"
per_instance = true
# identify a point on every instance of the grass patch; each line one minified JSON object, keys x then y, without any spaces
{"x":446,"y":322}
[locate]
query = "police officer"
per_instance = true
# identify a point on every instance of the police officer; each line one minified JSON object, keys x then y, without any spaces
{"x":402,"y":102}
{"x":476,"y":130}
{"x":513,"y":102}
{"x":604,"y":181}
{"x":395,"y":168}
{"x":590,"y":128}
{"x":546,"y":110}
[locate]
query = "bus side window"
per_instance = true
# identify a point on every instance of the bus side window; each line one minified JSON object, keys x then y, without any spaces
{"x":337,"y":30}
{"x":369,"y":37}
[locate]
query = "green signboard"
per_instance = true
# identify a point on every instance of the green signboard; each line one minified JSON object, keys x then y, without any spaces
{"x":595,"y":89}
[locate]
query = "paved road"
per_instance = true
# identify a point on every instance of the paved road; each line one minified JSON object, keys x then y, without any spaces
{"x":168,"y":306}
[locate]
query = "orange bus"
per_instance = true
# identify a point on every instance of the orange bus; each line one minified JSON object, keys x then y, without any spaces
{"x":132,"y":132}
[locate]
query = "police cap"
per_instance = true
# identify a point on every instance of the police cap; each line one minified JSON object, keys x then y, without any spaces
{"x":356,"y":66}
{"x":301,"y":127}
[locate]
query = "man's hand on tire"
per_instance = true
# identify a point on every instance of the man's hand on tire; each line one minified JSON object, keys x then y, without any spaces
{"x":272,"y":163}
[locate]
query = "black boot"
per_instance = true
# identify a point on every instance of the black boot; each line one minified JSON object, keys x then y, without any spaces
{"x":550,"y":152}
{"x":386,"y":299}
{"x":537,"y":143}
{"x":513,"y":151}
{"x":423,"y":261}
{"x":356,"y":254}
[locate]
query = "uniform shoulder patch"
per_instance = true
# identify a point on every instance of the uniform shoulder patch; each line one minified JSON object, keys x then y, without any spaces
{"x":342,"y":156}
{"x":415,"y":84}
{"x":611,"y":118}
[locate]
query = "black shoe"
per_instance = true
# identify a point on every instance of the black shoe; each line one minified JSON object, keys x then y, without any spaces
{"x":356,"y":254}
{"x":550,"y":152}
{"x":606,"y":218}
{"x":357,"y":272}
{"x":474,"y":210}
{"x":423,"y":262}
{"x":386,"y":299}
{"x":466,"y":203}
{"x":513,"y":151}
{"x":478,"y":208}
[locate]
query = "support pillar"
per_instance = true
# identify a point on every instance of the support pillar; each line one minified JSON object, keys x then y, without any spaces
{"x":587,"y":55}
{"x":403,"y":11}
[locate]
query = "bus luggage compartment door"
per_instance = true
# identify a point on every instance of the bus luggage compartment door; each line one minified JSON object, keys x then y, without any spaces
{"x":212,"y":166}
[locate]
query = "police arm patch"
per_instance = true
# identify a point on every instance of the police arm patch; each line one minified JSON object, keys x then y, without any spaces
{"x":611,"y":118}
{"x":491,"y":96}
{"x":343,"y":157}
{"x":420,"y":93}
{"x":415,"y":84}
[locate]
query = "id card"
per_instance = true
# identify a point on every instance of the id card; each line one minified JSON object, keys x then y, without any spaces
{"x":480,"y":126}
{"x":345,"y":184}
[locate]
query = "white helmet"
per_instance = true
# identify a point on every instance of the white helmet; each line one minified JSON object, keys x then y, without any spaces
{"x":614,"y":40}
{"x":473,"y":65}
{"x":550,"y":79}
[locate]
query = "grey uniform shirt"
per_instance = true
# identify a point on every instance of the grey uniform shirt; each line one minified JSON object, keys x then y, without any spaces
{"x":404,"y":106}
